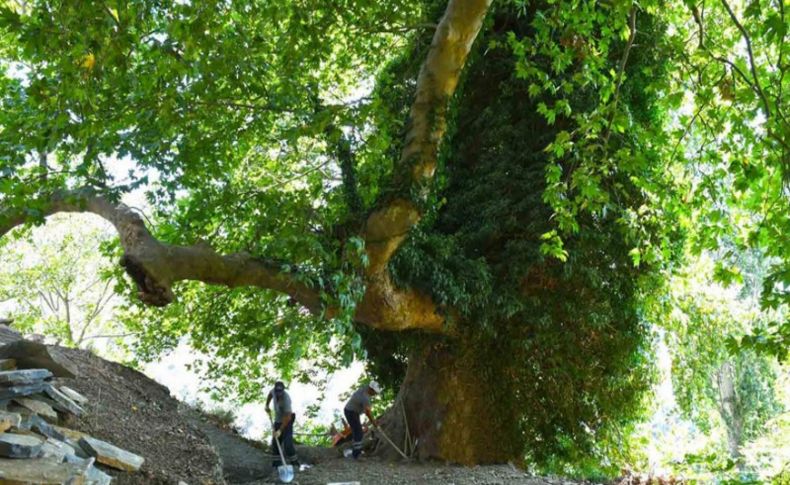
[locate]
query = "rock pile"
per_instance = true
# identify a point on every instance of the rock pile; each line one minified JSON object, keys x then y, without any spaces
{"x":34,"y":448}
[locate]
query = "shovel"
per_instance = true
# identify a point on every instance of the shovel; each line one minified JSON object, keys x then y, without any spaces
{"x":286,"y":472}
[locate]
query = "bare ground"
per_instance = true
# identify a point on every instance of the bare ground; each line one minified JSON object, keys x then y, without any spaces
{"x":327,"y":465}
{"x":370,"y":471}
{"x":131,"y":411}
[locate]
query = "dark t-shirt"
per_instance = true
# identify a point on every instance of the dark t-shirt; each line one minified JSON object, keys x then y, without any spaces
{"x":282,"y":406}
{"x":359,"y":400}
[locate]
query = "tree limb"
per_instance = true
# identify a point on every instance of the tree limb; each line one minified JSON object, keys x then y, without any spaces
{"x":748,"y":40}
{"x":388,"y":226}
{"x":155,"y":266}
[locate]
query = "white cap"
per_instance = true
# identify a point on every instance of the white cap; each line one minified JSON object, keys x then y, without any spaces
{"x":375,"y":386}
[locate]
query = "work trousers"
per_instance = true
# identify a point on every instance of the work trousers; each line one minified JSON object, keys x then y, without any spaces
{"x":356,"y":431}
{"x":286,"y":442}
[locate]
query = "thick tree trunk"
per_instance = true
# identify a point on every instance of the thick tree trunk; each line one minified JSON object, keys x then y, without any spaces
{"x":445,"y":411}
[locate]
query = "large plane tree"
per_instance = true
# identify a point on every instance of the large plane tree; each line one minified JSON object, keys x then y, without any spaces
{"x":472,"y":196}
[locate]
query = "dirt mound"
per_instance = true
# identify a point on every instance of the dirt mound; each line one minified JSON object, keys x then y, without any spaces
{"x":133,"y":412}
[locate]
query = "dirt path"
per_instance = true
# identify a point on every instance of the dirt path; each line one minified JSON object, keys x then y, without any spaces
{"x":246,"y":464}
{"x":241,"y":462}
{"x":372,"y":471}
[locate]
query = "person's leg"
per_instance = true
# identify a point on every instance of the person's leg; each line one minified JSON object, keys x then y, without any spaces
{"x":275,"y":452}
{"x":356,"y":432}
{"x":288,"y":442}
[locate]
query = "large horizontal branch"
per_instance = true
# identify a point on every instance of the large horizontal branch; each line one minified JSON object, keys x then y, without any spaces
{"x":155,"y":266}
{"x":388,"y":226}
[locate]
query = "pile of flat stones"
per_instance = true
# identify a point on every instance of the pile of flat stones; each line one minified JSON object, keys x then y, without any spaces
{"x":34,"y":448}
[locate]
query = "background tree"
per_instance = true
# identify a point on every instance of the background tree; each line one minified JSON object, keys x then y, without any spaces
{"x":716,"y":385}
{"x":59,"y":285}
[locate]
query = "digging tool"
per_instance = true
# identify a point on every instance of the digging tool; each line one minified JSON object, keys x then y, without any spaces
{"x":285,"y":471}
{"x":387,"y":438}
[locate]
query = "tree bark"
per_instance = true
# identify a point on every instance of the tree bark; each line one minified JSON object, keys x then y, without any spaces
{"x":444,"y":410}
{"x":388,"y":226}
{"x":730,"y":413}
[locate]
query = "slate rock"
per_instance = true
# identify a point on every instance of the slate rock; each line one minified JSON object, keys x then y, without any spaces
{"x":73,"y":395}
{"x":37,"y":424}
{"x":62,"y":402}
{"x":23,"y":377}
{"x":56,"y":450}
{"x":19,"y":446}
{"x":68,"y":436}
{"x":42,"y":471}
{"x":41,"y":408}
{"x":70,"y":433}
{"x":111,"y":455}
{"x":24,"y":390}
{"x":8,"y":420}
{"x":93,"y":476}
{"x":35,"y":355}
{"x":8,"y":334}
{"x":7,"y":364}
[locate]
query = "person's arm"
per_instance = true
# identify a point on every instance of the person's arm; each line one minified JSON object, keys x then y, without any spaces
{"x":268,"y":402}
{"x":369,"y":414}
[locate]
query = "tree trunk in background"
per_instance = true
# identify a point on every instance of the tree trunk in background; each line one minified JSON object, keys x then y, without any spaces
{"x":447,"y":412}
{"x":728,"y":407}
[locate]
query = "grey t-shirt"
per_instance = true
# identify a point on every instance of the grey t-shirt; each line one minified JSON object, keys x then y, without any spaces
{"x":359,"y":400}
{"x":282,"y":406}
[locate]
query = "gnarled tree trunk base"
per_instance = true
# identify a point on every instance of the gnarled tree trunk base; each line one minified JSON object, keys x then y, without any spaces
{"x":445,"y":411}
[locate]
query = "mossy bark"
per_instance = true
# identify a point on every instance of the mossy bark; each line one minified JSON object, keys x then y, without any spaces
{"x":445,"y":410}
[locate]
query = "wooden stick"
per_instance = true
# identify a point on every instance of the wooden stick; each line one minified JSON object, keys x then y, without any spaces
{"x":391,"y":443}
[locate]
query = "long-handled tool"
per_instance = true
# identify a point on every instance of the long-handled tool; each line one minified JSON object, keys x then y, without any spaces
{"x":285,"y":471}
{"x":387,"y":438}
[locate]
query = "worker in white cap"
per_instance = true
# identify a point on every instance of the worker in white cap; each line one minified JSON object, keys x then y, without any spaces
{"x":360,"y":403}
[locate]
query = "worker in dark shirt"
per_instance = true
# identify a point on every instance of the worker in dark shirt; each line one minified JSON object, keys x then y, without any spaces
{"x":360,"y":403}
{"x":283,"y":426}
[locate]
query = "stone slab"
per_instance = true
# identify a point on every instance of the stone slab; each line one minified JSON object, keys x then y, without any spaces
{"x":73,"y":395}
{"x":110,"y":455}
{"x":70,"y":433}
{"x":19,"y":446}
{"x":34,"y":355}
{"x":23,"y":377}
{"x":8,"y":420}
{"x":41,"y":408}
{"x":62,"y":402}
{"x":41,"y":471}
{"x":37,"y":424}
{"x":56,"y":450}
{"x":93,"y":475}
{"x":7,"y":364}
{"x":24,"y":390}
{"x":8,"y":334}
{"x":72,"y":438}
